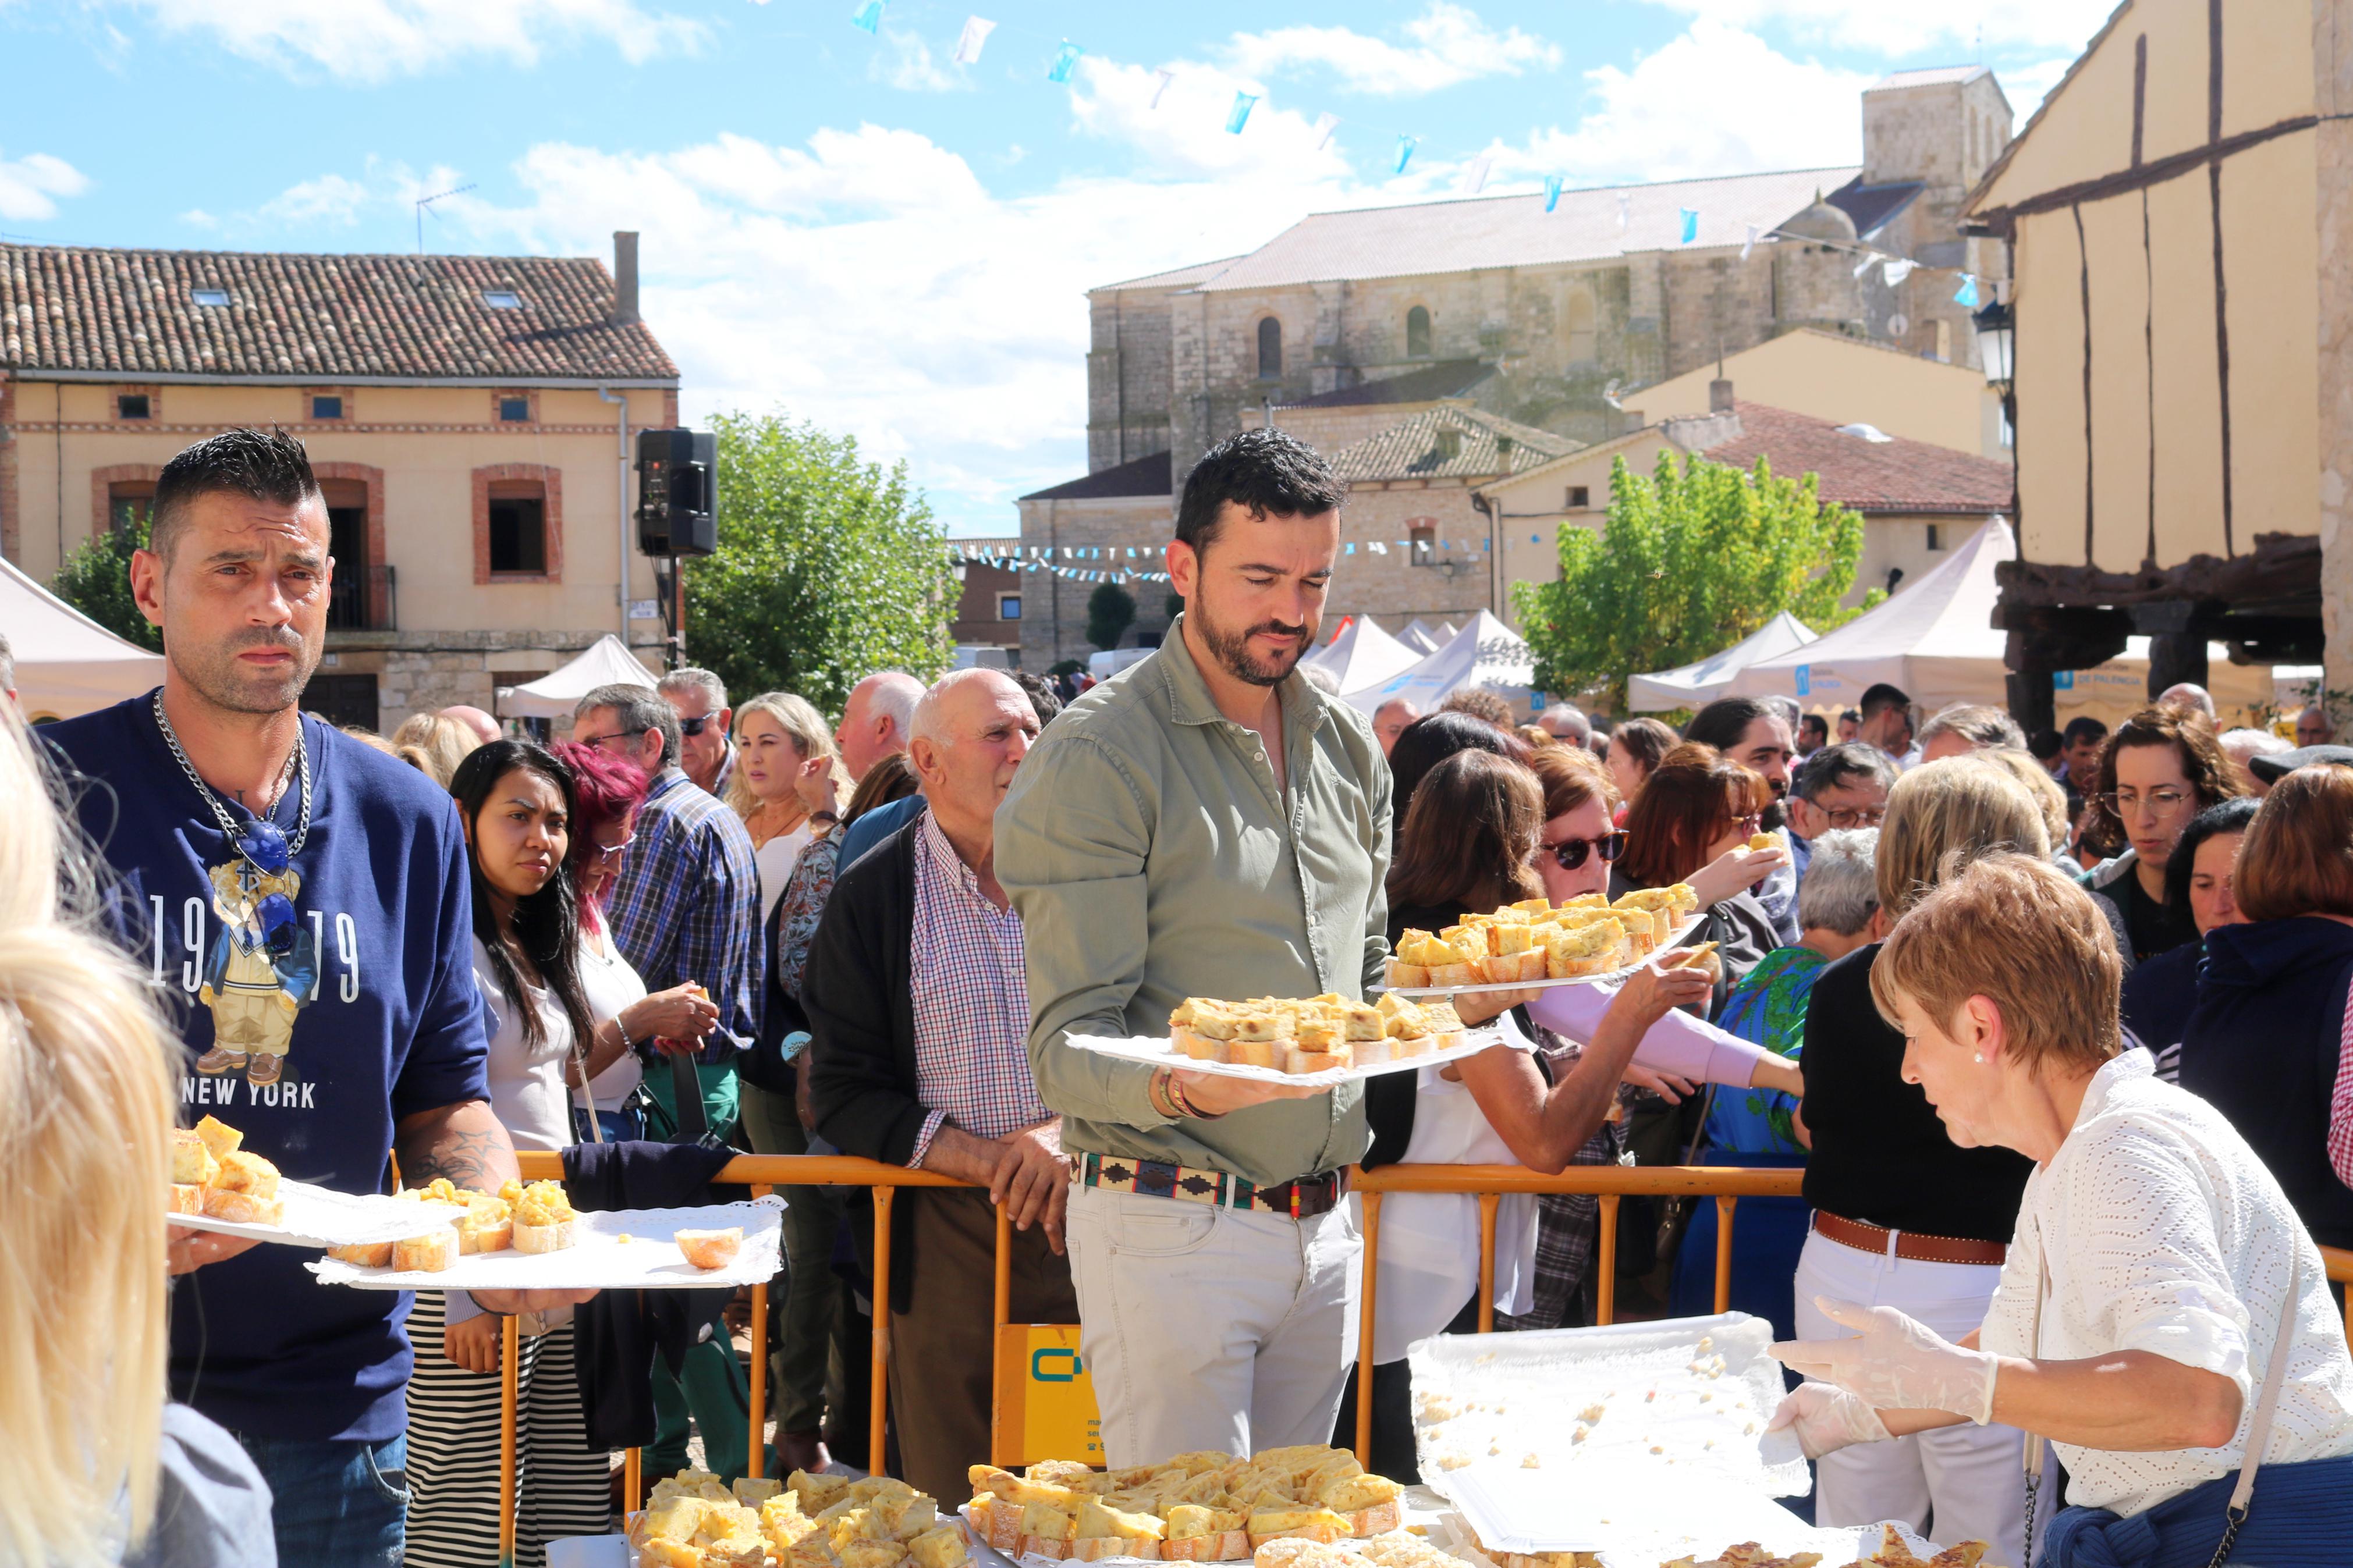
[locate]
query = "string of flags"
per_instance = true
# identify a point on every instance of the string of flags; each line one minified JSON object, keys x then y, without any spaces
{"x":1471,"y":180}
{"x":1055,"y":558}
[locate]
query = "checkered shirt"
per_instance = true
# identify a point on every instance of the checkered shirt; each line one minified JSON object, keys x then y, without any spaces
{"x":686,"y":906}
{"x":971,"y":1000}
{"x":2340,"y":1102}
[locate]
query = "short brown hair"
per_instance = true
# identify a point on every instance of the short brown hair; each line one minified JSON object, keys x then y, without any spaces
{"x":1469,"y":834}
{"x":1479,"y":703}
{"x":2016,"y":930}
{"x":2298,"y":856}
{"x":1646,"y":741}
{"x":1571,"y":775}
{"x":1942,"y":813}
{"x":1682,"y":810}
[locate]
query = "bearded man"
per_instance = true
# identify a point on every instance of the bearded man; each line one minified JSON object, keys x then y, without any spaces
{"x":1208,"y":824}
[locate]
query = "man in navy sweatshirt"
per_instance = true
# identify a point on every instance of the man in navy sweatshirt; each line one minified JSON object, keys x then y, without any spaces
{"x":305,"y":898}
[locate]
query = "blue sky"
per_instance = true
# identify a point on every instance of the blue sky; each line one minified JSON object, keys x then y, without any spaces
{"x":858,"y":230}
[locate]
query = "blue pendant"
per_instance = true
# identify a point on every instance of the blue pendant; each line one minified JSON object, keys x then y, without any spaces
{"x":264,"y":843}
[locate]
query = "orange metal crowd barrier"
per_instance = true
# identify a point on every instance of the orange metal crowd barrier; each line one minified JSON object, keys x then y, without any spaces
{"x":1727,"y":1185}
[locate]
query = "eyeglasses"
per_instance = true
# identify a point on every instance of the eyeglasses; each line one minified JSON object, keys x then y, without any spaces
{"x":1751,"y":820}
{"x":1571,"y":852}
{"x":616,"y":735}
{"x":1845,"y":817}
{"x":601,"y":853}
{"x":695,"y":725}
{"x":2161,"y":802}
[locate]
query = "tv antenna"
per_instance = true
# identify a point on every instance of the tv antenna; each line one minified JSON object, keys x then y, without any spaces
{"x":424,"y":202}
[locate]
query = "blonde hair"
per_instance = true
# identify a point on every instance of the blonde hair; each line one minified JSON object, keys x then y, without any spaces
{"x":2038,"y":784}
{"x":433,"y":745}
{"x":89,"y":1086}
{"x":1942,"y":813}
{"x":796,"y":718}
{"x":2016,"y":930}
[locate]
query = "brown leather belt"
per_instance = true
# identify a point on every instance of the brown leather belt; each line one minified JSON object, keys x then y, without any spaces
{"x":1915,"y":1246}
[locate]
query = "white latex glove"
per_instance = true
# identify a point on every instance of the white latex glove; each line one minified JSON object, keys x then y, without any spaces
{"x":1894,"y":1364}
{"x":1824,"y":1419}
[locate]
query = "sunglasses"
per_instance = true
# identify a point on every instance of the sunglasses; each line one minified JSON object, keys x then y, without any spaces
{"x":1571,"y":852}
{"x":695,"y":725}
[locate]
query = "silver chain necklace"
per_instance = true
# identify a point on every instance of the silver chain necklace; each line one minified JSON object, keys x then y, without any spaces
{"x":300,"y":763}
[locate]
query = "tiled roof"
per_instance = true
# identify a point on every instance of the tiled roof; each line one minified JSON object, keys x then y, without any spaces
{"x":1895,"y":475}
{"x":1146,"y":476}
{"x":328,"y":318}
{"x":1516,"y":231}
{"x":1448,"y":378}
{"x":1176,"y":278}
{"x":1414,"y":449}
{"x":1934,"y":75}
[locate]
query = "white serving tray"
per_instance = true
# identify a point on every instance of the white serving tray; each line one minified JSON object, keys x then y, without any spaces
{"x":1163,"y":1053}
{"x":1675,"y":938}
{"x":1510,"y":1398}
{"x":1650,"y":1523}
{"x":600,"y":1261}
{"x":316,"y":1217}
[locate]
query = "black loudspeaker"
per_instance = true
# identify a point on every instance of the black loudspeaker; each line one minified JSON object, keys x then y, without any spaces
{"x":678,"y":492}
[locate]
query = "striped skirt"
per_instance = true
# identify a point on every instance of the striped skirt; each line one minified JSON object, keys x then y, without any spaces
{"x":561,"y":1485}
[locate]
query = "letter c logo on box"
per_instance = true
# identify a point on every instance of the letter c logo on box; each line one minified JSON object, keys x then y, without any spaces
{"x":1038,"y":1363}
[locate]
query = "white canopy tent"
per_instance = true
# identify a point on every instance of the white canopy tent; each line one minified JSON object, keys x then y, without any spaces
{"x":67,"y":664}
{"x":1362,"y":655}
{"x":1937,"y":641}
{"x":1485,"y":653}
{"x":1697,"y":684}
{"x":556,"y":694}
{"x":1419,"y":636}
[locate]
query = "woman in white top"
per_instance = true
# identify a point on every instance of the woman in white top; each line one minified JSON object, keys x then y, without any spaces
{"x":1468,"y":842}
{"x":606,"y":795}
{"x":777,"y":737}
{"x":514,"y":801}
{"x":2163,"y":1316}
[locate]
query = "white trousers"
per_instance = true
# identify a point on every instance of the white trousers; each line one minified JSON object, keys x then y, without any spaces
{"x":1954,"y":1483}
{"x":1212,"y":1328}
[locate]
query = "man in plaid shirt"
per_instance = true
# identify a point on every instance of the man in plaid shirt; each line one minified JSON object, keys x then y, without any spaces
{"x":918,"y":1000}
{"x":686,"y":905}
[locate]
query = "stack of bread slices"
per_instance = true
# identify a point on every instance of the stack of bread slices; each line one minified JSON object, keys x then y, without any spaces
{"x":1313,"y":1036}
{"x":211,"y":1175}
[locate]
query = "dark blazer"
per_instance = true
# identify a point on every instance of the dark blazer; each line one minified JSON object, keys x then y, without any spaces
{"x":2261,"y":1050}
{"x":857,"y":995}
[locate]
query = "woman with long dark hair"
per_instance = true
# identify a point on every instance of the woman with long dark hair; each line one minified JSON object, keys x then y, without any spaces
{"x":1470,"y":843}
{"x":515,"y":803}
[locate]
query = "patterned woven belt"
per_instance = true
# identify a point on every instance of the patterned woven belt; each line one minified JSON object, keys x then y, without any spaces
{"x":1302,"y":1199}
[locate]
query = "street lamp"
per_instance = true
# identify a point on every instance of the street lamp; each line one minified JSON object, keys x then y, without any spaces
{"x":1996,"y":352}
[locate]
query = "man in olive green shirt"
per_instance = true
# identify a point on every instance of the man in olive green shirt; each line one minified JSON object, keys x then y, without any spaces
{"x":1208,"y":824}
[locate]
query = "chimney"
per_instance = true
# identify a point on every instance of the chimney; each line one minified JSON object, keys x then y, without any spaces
{"x":1719,"y":390}
{"x":625,"y":277}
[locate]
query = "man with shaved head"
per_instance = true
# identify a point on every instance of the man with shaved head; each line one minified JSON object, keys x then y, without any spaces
{"x":918,"y":1001}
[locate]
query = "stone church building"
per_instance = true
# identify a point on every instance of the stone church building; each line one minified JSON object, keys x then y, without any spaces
{"x":1535,"y":326}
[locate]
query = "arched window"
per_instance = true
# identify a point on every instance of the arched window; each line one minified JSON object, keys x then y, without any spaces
{"x":1269,"y":350}
{"x":1417,"y":334}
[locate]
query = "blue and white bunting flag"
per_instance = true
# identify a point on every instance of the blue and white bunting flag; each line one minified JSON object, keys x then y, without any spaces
{"x":1691,"y":223}
{"x":867,"y":16}
{"x":1967,"y":295}
{"x":1325,"y":125}
{"x":1552,"y":192}
{"x":1160,"y":80}
{"x":1406,"y":144}
{"x":1065,"y":59}
{"x":1473,"y":178}
{"x":974,"y":34}
{"x":1238,"y":115}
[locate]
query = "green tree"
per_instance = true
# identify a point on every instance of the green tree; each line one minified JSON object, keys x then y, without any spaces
{"x":1688,"y":562}
{"x":96,"y":580}
{"x":827,"y":568}
{"x":1111,"y":610}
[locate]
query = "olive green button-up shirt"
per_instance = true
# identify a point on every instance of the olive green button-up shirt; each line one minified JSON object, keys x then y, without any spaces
{"x":1152,"y":858}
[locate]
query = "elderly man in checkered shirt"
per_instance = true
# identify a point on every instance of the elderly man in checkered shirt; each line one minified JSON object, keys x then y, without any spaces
{"x":918,"y":1002}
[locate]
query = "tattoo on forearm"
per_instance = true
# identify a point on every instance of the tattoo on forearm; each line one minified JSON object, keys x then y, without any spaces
{"x":463,"y":1156}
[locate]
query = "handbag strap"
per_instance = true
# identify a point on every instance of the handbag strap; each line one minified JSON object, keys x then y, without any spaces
{"x":686,"y":1089}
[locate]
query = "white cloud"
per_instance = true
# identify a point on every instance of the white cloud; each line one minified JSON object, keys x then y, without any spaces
{"x":866,"y":278}
{"x":328,"y":199}
{"x":1715,"y":101}
{"x":197,"y":217}
{"x":910,"y":66}
{"x":369,"y":40}
{"x":1186,"y":133}
{"x":1447,"y":44}
{"x":1904,"y":28}
{"x":29,"y":185}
